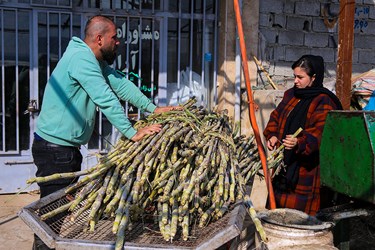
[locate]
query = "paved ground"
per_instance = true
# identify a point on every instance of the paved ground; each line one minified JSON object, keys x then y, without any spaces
{"x":14,"y":233}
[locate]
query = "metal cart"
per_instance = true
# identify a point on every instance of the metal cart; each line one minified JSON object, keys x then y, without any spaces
{"x":61,"y":233}
{"x":347,"y":166}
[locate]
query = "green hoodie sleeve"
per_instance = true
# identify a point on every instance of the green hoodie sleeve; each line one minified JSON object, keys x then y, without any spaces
{"x":86,"y":71}
{"x":126,"y":90}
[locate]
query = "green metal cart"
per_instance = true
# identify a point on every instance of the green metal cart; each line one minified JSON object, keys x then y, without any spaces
{"x":347,"y":158}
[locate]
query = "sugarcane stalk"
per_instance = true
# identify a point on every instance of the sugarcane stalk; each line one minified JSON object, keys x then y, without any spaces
{"x":162,"y":146}
{"x":226,"y":187}
{"x":246,"y":165}
{"x":137,"y":183}
{"x":247,"y":144}
{"x":185,"y":171}
{"x":276,"y":162}
{"x":223,"y":138}
{"x":174,"y":154}
{"x":254,"y":218}
{"x":168,"y":188}
{"x":174,"y":138}
{"x":182,"y":211}
{"x":58,"y":176}
{"x":110,"y":190}
{"x":206,"y":215}
{"x":56,"y":211}
{"x":161,"y":226}
{"x":89,"y":201}
{"x":120,"y":235}
{"x":167,"y":232}
{"x":257,"y":166}
{"x":87,"y":179}
{"x":155,"y":143}
{"x":233,"y":170}
{"x":110,"y":207}
{"x":220,"y":213}
{"x":98,"y":201}
{"x":186,"y":194}
{"x":94,"y":220}
{"x":190,"y":103}
{"x":188,"y":137}
{"x":83,"y":193}
{"x":124,"y":201}
{"x":199,"y":159}
{"x":243,"y":163}
{"x":165,"y":213}
{"x":204,"y":166}
{"x":221,"y":179}
{"x":212,"y":182}
{"x":174,"y":220}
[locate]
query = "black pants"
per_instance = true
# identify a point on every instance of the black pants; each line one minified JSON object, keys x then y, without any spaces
{"x":51,"y":159}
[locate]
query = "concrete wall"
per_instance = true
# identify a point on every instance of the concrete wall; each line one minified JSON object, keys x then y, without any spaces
{"x":231,"y":87}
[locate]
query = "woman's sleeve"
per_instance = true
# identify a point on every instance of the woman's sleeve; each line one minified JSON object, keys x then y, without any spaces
{"x":272,"y":125}
{"x":311,"y":137}
{"x":272,"y":128}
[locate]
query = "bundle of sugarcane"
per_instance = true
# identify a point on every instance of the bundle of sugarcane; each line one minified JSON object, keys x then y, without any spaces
{"x":192,"y":171}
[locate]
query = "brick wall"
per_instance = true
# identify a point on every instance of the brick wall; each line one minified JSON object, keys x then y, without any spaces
{"x":291,"y":28}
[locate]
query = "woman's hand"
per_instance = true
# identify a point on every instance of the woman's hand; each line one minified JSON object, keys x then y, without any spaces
{"x":271,"y":143}
{"x":167,"y":108}
{"x":289,"y":142}
{"x":149,"y":130}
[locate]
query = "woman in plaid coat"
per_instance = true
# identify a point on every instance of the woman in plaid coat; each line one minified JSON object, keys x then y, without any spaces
{"x":306,"y":105}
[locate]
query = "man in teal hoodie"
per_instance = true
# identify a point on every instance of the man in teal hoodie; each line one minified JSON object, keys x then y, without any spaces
{"x":83,"y":80}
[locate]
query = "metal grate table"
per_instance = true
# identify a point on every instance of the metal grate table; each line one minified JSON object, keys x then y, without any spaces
{"x":61,"y":233}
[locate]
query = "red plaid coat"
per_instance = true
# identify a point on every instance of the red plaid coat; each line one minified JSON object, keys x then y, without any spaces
{"x":306,"y":196}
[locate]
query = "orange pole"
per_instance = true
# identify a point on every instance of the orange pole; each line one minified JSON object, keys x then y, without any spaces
{"x":253,"y":122}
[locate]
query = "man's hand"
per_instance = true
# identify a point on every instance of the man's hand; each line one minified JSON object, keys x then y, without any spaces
{"x":149,"y":130}
{"x":167,"y":108}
